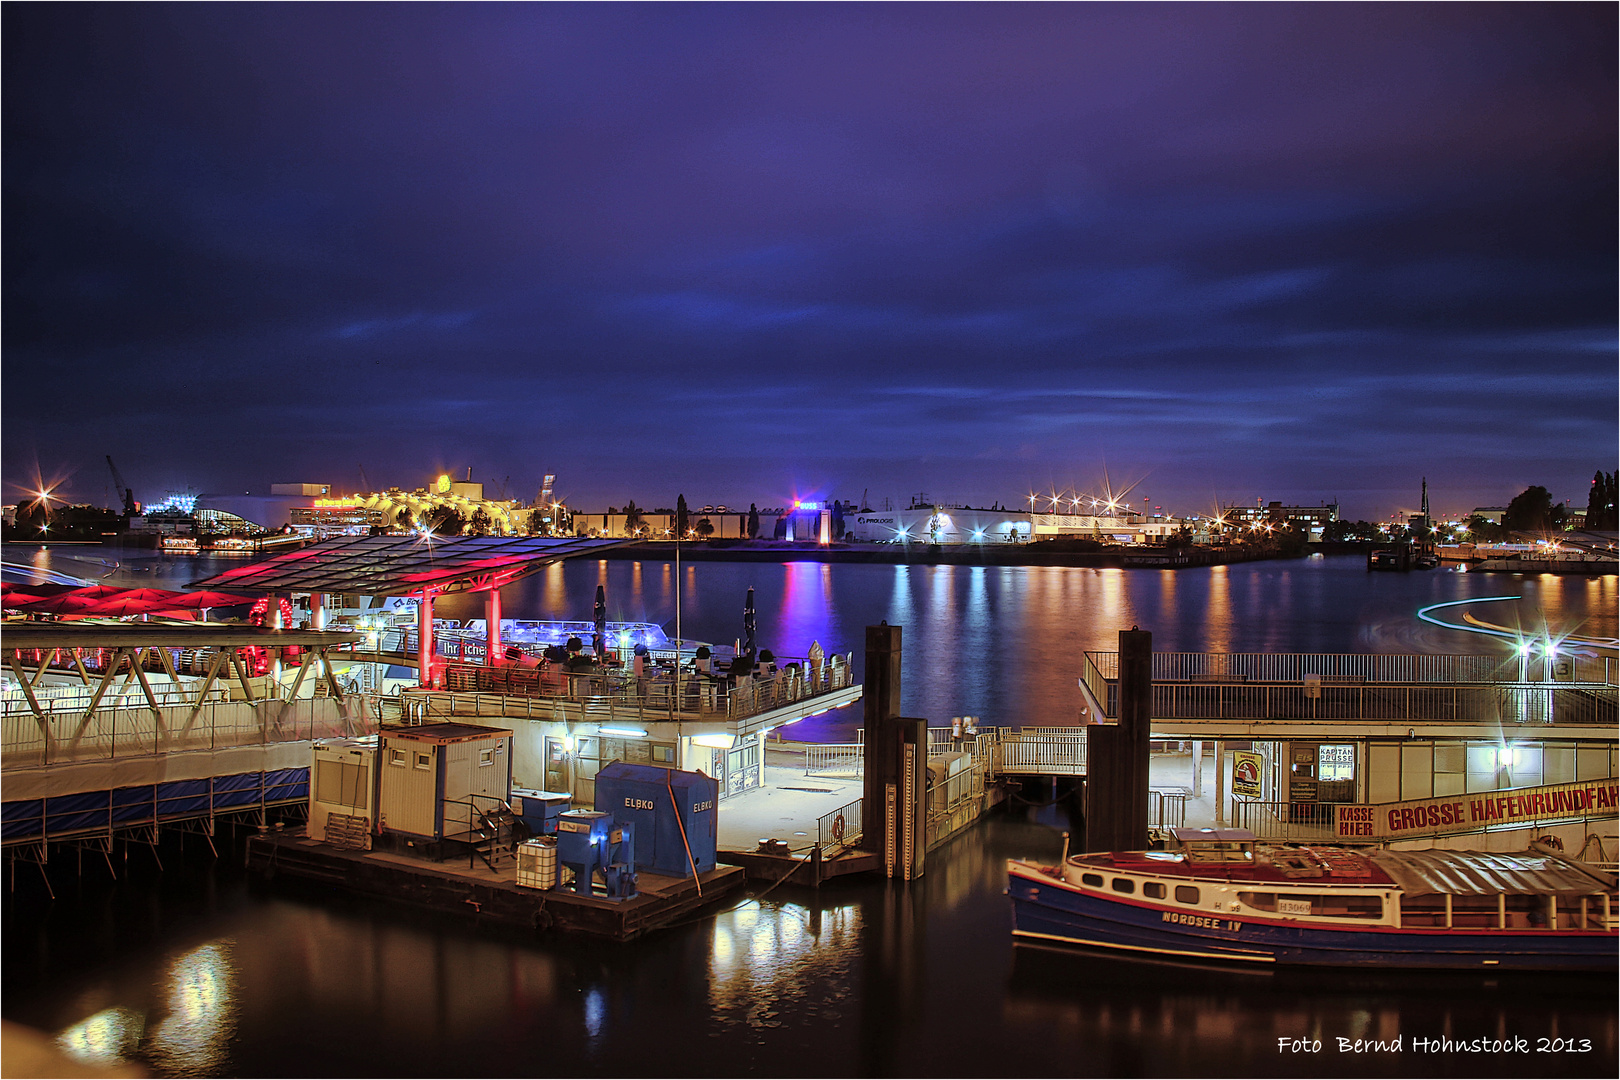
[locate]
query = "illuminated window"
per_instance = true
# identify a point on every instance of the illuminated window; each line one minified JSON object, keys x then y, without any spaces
{"x":1336,"y":761}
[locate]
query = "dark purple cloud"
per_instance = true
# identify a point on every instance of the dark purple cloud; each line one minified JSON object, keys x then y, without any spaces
{"x":1299,"y":251}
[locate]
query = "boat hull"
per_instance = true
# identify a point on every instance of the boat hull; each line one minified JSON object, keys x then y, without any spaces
{"x":1046,"y":909}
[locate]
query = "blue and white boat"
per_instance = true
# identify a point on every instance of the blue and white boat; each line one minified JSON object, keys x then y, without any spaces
{"x":1216,"y":895}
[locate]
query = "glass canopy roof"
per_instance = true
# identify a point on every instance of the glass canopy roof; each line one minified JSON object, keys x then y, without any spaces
{"x":401,"y":565}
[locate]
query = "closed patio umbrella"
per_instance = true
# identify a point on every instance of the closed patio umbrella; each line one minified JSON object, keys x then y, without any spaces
{"x":599,"y":637}
{"x":749,"y":626}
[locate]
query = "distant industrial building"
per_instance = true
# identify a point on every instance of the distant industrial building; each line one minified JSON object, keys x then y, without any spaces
{"x":1311,"y":519}
{"x":941,"y":525}
{"x":727,"y":525}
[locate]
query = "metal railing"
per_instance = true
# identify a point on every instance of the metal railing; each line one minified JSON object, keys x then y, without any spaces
{"x":1270,"y":819}
{"x":1042,"y":754}
{"x":63,"y":737}
{"x":841,"y":828}
{"x":954,"y":804}
{"x":981,"y":746}
{"x":1237,"y":692}
{"x":1416,"y":668}
{"x":996,"y":751}
{"x":1478,"y":704}
{"x":184,"y":661}
{"x":1167,"y":809}
{"x":834,"y":671}
{"x":835,"y":759}
{"x":649,"y":697}
{"x":611,"y":698}
{"x":70,"y":699}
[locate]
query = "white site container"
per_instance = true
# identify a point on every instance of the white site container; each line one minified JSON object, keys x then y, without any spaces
{"x":342,"y":783}
{"x":433,"y":779}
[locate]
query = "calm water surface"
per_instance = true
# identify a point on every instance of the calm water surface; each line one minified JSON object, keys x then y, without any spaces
{"x":193,"y":971}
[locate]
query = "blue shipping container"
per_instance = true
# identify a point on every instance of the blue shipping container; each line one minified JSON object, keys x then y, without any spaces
{"x":661,"y":803}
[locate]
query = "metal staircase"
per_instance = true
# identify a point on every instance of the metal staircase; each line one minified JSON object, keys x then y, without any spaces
{"x":493,"y":837}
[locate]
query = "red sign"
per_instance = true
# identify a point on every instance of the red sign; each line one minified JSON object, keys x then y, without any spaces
{"x":1465,"y":813}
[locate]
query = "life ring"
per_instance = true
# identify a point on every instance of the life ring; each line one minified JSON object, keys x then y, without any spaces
{"x":838,"y":828}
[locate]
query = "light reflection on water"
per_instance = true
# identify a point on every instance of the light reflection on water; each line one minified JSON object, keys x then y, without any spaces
{"x":192,"y":1040}
{"x":198,"y":1011}
{"x":105,"y":1038}
{"x":771,"y":958}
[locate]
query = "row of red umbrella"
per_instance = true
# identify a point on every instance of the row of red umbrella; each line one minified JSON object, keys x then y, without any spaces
{"x":109,"y":600}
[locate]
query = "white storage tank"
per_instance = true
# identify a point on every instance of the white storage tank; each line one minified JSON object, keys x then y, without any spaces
{"x":537,"y":863}
{"x":343,"y":791}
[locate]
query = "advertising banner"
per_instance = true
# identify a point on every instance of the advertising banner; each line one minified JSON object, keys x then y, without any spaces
{"x":1466,"y":813}
{"x":1246,"y":766}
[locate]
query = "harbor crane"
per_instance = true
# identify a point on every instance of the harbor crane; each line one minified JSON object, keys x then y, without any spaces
{"x":130,"y":508}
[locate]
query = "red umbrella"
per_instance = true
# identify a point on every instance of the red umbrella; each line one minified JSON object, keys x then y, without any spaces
{"x":13,"y":590}
{"x":155,"y":596}
{"x":65,"y":604}
{"x":207,"y":598}
{"x":101,"y":592}
{"x":122,"y":605}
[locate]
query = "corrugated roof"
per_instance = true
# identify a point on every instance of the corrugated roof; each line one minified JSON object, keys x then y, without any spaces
{"x":1487,"y":873}
{"x":447,"y":731}
{"x":401,"y":565}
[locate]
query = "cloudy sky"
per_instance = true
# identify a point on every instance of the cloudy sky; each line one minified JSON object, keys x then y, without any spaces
{"x":747,"y":253}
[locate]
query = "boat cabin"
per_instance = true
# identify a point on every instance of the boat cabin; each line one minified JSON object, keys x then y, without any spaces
{"x":1214,"y":846}
{"x":1225,"y":872}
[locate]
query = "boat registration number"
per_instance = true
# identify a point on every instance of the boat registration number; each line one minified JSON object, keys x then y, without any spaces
{"x":1208,"y":922}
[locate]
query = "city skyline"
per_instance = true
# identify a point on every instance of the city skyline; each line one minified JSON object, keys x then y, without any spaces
{"x":1303,"y":253}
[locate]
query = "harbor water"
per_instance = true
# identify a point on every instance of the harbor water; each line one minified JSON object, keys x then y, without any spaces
{"x":192,"y":969}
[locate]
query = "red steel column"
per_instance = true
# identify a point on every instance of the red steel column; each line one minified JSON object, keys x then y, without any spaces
{"x":492,"y":627}
{"x":424,"y":639}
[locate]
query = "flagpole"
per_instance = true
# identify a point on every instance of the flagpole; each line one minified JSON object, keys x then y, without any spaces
{"x":679,"y":640}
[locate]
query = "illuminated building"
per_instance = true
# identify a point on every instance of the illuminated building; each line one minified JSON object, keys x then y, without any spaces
{"x":1311,"y":519}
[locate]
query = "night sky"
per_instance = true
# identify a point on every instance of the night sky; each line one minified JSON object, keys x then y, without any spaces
{"x":747,"y":253}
